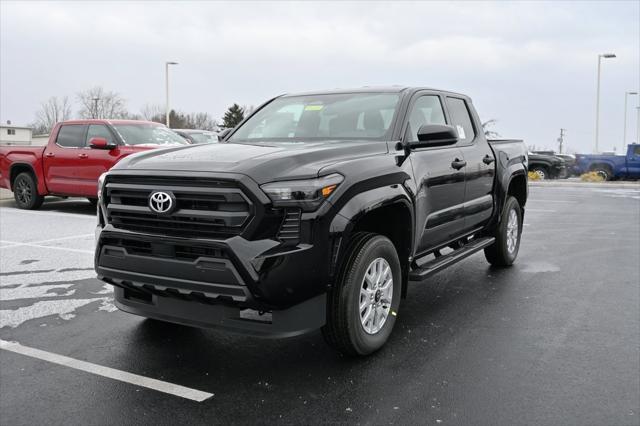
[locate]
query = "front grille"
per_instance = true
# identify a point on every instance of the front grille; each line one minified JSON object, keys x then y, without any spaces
{"x":205,"y":208}
{"x":165,"y":250}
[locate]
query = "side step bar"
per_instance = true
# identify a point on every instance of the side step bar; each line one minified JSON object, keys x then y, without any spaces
{"x":442,"y":262}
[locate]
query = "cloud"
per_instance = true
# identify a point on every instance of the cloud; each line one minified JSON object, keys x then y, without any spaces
{"x":516,"y":59}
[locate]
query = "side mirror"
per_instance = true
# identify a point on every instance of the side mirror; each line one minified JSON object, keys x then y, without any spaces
{"x":436,"y":135}
{"x":101,"y":143}
{"x":223,"y":134}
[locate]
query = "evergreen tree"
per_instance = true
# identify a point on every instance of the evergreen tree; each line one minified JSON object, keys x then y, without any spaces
{"x":233,"y":116}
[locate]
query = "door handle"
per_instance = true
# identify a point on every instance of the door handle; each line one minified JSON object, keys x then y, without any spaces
{"x":83,"y":155}
{"x":49,"y":154}
{"x":457,"y":164}
{"x":488,"y":159}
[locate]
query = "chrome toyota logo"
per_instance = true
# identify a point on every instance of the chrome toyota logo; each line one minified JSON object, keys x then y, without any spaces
{"x":161,"y":202}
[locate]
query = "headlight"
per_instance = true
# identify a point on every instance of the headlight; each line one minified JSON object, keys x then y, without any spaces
{"x":308,"y":194}
{"x":100,"y":184}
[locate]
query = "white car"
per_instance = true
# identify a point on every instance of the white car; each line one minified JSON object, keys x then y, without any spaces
{"x":195,"y":136}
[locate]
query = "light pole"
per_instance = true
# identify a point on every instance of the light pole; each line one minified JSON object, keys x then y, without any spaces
{"x":638,"y":125}
{"x":624,"y":133}
{"x":166,"y":75}
{"x":95,"y":107}
{"x":600,"y":56}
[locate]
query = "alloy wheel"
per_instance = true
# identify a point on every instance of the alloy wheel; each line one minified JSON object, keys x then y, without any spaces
{"x":376,"y":294}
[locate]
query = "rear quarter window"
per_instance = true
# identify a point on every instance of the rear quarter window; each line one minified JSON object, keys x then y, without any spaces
{"x":71,"y":135}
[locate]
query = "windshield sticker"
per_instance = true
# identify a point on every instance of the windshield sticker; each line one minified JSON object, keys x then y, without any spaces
{"x":313,"y":107}
{"x":461,"y":134}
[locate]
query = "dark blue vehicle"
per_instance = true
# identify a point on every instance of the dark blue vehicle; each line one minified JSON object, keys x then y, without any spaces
{"x":612,"y":166}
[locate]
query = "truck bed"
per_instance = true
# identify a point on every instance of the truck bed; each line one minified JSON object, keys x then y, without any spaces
{"x":23,"y":154}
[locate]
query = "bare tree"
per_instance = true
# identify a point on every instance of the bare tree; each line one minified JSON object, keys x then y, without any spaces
{"x":151,"y":112}
{"x":51,"y":111}
{"x":202,"y":121}
{"x":487,"y":132}
{"x":99,"y":103}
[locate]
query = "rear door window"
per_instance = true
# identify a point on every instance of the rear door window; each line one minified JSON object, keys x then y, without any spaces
{"x":72,"y":135}
{"x":461,"y":120}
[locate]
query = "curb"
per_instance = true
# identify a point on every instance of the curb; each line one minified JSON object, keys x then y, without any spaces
{"x":578,"y":184}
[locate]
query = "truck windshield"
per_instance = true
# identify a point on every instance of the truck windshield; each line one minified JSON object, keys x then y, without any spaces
{"x":366,"y":116}
{"x":148,"y":134}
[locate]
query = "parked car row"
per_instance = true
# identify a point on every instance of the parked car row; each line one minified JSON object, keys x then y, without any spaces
{"x":549,"y":165}
{"x":78,"y":152}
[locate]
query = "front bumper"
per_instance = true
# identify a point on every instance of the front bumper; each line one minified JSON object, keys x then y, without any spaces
{"x":299,"y":319}
{"x":215,"y":283}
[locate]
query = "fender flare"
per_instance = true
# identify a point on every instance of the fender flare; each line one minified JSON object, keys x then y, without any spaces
{"x":41,"y":186}
{"x":343,"y":223}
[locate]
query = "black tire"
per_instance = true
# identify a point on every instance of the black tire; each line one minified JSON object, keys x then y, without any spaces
{"x":499,"y":254}
{"x":93,"y":201}
{"x":542,"y":172}
{"x":344,"y":329}
{"x":603,"y":171}
{"x":25,"y":192}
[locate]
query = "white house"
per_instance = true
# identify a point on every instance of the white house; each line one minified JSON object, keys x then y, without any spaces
{"x":15,"y":135}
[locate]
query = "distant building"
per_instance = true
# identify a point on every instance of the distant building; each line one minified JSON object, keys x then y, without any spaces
{"x":15,"y":135}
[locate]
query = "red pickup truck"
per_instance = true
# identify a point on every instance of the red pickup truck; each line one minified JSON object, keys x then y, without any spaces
{"x":77,"y":153}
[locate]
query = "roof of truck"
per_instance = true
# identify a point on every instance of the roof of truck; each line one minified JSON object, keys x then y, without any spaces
{"x":371,"y":89}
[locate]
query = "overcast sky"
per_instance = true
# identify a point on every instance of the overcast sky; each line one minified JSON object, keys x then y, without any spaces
{"x":531,"y":66}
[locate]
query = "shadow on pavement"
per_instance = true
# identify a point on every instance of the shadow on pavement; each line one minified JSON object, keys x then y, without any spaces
{"x":56,"y":204}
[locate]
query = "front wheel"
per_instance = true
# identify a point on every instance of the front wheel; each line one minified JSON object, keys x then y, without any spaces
{"x":504,"y":250}
{"x":604,"y":172}
{"x":25,"y":192}
{"x":363,"y":305}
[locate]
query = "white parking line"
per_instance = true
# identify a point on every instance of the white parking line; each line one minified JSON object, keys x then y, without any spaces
{"x":536,"y":200}
{"x":70,"y":237}
{"x":45,"y":213}
{"x":16,"y":244}
{"x":112,"y":373}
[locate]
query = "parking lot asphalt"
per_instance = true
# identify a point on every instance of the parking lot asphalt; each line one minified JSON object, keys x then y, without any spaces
{"x":553,"y":340}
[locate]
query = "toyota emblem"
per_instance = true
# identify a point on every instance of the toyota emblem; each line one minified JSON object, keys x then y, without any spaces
{"x":161,"y":202}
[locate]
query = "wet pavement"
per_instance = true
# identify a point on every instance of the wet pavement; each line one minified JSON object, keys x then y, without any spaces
{"x":553,"y":340}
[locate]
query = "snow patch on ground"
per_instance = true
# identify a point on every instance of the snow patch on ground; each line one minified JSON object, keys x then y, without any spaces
{"x":537,"y":267}
{"x":63,"y":308}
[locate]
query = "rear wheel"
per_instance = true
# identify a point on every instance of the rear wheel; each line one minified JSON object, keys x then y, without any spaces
{"x":507,"y":234}
{"x":541,"y":172}
{"x":363,"y":305}
{"x":25,"y":192}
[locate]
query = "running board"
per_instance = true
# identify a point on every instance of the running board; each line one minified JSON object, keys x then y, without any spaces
{"x":444,"y":261}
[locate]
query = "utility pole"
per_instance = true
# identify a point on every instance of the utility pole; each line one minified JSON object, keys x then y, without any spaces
{"x":561,"y":140}
{"x":624,"y":133}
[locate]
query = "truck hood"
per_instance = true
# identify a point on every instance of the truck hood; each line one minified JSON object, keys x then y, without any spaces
{"x":263,"y":162}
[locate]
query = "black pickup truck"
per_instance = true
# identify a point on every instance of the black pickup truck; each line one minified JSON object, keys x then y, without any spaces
{"x":315,"y":212}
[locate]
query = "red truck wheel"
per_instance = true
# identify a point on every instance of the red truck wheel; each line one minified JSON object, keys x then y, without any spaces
{"x":25,"y":192}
